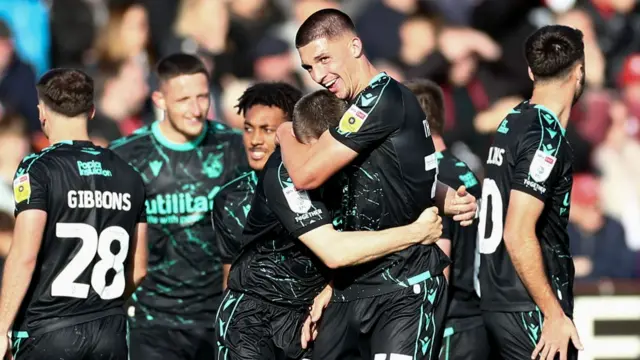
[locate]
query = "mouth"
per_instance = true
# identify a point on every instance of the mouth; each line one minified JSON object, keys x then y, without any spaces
{"x":257,"y":154}
{"x":331,"y":85}
{"x":193,"y":122}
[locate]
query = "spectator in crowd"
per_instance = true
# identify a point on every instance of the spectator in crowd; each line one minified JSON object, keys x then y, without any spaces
{"x":273,"y":62}
{"x":14,"y":145}
{"x":6,"y":232}
{"x":597,"y":241}
{"x":17,"y":81}
{"x":120,"y":98}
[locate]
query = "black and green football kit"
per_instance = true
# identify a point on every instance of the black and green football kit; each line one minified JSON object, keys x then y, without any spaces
{"x":180,"y":295}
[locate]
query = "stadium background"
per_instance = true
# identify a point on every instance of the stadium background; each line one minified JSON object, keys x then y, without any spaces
{"x":473,"y":48}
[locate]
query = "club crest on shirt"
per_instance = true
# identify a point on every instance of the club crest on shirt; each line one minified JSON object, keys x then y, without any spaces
{"x":298,"y":200}
{"x":21,"y":188}
{"x":352,"y":120}
{"x":541,"y":166}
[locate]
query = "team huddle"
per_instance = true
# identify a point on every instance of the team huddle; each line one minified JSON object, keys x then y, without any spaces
{"x":338,"y":226}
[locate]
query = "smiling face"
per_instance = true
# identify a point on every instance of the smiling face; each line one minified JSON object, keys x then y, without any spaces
{"x":260,"y":125}
{"x":333,"y":63}
{"x":185,"y":100}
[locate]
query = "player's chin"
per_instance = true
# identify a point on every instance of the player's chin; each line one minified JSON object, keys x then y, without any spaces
{"x":257,"y":164}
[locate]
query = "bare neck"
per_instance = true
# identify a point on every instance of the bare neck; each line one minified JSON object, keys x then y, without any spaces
{"x":365,"y":72}
{"x":73,"y":129}
{"x":556,"y":97}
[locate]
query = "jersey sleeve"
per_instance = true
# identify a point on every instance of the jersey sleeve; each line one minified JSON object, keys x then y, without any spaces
{"x":298,"y":211}
{"x":227,"y":228}
{"x":537,"y":162}
{"x":31,"y":186}
{"x":371,"y":119}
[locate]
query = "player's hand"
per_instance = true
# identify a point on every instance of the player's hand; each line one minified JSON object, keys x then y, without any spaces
{"x":556,"y":333}
{"x":431,"y":224}
{"x":464,"y":207}
{"x":310,"y":326}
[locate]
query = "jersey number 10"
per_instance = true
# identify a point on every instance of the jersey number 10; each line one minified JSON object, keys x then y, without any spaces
{"x":92,"y":243}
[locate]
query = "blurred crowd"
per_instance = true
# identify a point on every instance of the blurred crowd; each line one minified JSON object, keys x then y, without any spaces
{"x":472,"y":48}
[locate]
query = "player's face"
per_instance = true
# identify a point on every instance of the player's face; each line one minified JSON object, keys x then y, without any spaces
{"x":333,"y":64}
{"x":580,"y":87}
{"x":260,"y":125}
{"x":185,"y":100}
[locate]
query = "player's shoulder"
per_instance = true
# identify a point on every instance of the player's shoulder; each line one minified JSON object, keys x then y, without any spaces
{"x":382,"y":89}
{"x":40,"y":159}
{"x":125,"y":146}
{"x":242,"y":184}
{"x":217,"y":131}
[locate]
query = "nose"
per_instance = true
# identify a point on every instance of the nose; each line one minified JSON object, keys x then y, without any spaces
{"x":257,"y":138}
{"x":318,"y":74}
{"x":195,"y":109}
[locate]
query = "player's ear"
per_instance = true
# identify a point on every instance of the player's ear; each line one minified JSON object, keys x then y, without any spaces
{"x":531,"y":74}
{"x":41,"y":111}
{"x":158,"y":100}
{"x":356,"y":47}
{"x":92,"y":113}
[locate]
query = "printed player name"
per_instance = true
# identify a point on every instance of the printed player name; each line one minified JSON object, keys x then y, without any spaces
{"x":88,"y":199}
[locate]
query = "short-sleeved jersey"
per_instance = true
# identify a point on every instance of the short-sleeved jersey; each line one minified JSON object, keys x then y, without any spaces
{"x":464,"y":302}
{"x":93,"y":201}
{"x":230,"y":209}
{"x":388,"y":185}
{"x":529,"y":154}
{"x":184,"y":280}
{"x":274,"y":264}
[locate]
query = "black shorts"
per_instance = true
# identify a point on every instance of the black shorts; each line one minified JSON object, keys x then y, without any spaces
{"x":465,"y":339}
{"x":402,"y":325}
{"x":171,"y":344}
{"x":104,"y":339}
{"x":248,"y":328}
{"x":514,"y":335}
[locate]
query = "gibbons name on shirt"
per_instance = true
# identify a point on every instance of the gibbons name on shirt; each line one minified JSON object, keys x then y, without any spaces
{"x":179,"y":208}
{"x":89,"y":199}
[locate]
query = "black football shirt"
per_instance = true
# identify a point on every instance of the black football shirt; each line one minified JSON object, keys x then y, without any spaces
{"x":184,"y":280}
{"x":230,"y":209}
{"x":529,"y":154}
{"x":274,"y":264}
{"x":388,"y":185}
{"x":464,"y":302}
{"x":93,"y":200}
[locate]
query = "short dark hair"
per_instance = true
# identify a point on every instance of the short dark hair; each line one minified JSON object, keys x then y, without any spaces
{"x":325,"y":23}
{"x":68,"y":92}
{"x":315,"y":113}
{"x":431,"y":101}
{"x":177,"y":64}
{"x":552,"y":51}
{"x":278,"y":94}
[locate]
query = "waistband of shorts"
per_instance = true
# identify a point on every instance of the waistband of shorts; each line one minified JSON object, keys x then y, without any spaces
{"x":260,"y":299}
{"x":458,"y":325}
{"x":361,"y":291}
{"x":58,"y":323}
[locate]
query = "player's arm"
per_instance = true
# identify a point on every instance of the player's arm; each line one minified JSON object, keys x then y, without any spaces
{"x":530,"y":188}
{"x":311,"y":165}
{"x":138,"y":267}
{"x":304,"y":215}
{"x":226,"y":227}
{"x":30,"y":193}
{"x":524,"y":249}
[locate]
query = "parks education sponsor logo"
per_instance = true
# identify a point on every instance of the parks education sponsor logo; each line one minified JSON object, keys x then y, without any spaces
{"x":92,"y":168}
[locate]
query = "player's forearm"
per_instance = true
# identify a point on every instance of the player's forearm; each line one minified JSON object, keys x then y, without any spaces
{"x":526,"y":255}
{"x":358,"y":247}
{"x":295,"y":156}
{"x":15,"y":283}
{"x":444,"y":197}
